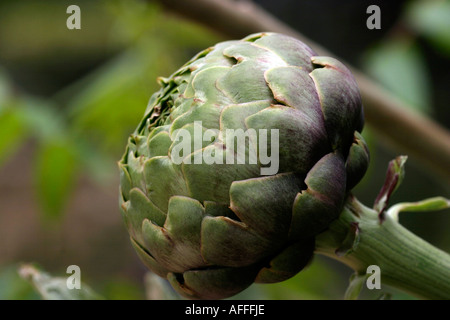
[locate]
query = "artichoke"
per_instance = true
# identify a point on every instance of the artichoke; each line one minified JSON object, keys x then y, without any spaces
{"x":215,"y":214}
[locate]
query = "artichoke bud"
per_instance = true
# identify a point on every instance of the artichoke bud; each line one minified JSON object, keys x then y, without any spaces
{"x":243,"y":156}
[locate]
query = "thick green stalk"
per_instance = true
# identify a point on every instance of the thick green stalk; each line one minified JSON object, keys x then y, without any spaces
{"x":406,"y":261}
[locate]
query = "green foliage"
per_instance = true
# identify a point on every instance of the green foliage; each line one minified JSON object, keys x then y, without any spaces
{"x":317,"y":281}
{"x":12,"y":129}
{"x":11,"y":133}
{"x":84,"y":127}
{"x":22,"y":117}
{"x":14,"y":287}
{"x":400,"y":67}
{"x":108,"y":103}
{"x":398,"y":63}
{"x":107,"y":110}
{"x":55,"y":175}
{"x":356,"y":284}
{"x":431,"y":19}
{"x":121,"y":289}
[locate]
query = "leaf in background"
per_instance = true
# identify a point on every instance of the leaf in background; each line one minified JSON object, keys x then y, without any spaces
{"x":399,"y":66}
{"x":12,"y":133}
{"x":106,"y":106}
{"x":55,"y":175}
{"x":157,"y":288}
{"x":316,"y":282}
{"x":34,"y":34}
{"x":431,"y":19}
{"x":356,"y":284}
{"x":5,"y":89}
{"x":118,"y":288}
{"x":55,"y":288}
{"x":56,"y":158}
{"x":96,"y":164}
{"x":133,"y":19}
{"x":12,"y":128}
{"x":43,"y":119}
{"x":13,"y":287}
{"x":107,"y":110}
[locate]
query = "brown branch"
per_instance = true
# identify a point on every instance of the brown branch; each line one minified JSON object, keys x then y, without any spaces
{"x":407,"y":131}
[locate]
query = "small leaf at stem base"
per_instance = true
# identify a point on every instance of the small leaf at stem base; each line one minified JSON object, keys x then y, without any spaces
{"x":350,"y":242}
{"x":394,"y":177}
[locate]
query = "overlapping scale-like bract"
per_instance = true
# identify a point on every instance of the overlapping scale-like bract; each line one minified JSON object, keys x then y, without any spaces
{"x":214,"y":229}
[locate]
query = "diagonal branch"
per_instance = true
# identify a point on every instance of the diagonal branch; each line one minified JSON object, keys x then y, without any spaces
{"x":405,"y":130}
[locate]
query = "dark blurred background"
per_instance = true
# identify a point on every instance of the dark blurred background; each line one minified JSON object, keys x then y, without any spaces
{"x":70,"y":98}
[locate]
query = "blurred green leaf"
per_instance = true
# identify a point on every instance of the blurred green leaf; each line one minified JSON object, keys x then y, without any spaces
{"x":139,"y":21}
{"x":317,"y":281}
{"x":109,"y":107}
{"x":399,"y":66}
{"x":120,"y":289}
{"x":55,"y":176}
{"x":96,"y":164}
{"x":12,"y":133}
{"x":431,"y":19}
{"x":83,"y":125}
{"x":43,"y":119}
{"x":106,"y":106}
{"x":34,"y":32}
{"x":55,"y":288}
{"x":22,"y":116}
{"x":12,"y":128}
{"x":13,"y":287}
{"x":355,"y":286}
{"x":134,"y":19}
{"x":4,"y":89}
{"x":157,"y":288}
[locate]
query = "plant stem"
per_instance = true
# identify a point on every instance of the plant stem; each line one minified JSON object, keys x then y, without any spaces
{"x":406,"y":261}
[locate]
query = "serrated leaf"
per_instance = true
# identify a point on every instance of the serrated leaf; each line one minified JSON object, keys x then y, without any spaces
{"x":55,"y":288}
{"x":55,"y":176}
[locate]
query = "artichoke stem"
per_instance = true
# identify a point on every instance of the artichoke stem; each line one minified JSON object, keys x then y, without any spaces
{"x":406,"y":261}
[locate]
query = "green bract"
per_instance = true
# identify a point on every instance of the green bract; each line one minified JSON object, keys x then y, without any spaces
{"x":212,"y":229}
